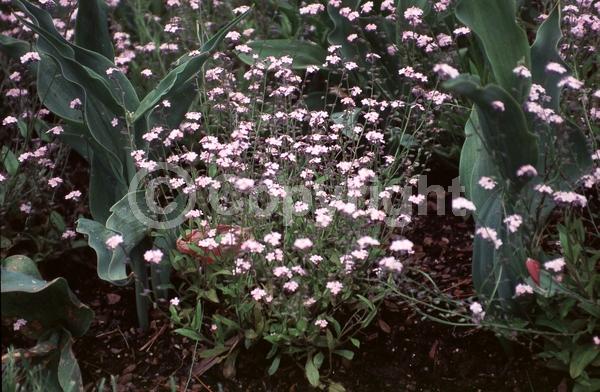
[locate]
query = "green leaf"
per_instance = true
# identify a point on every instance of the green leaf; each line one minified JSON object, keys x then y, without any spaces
{"x":58,"y":221}
{"x":106,"y":189}
{"x":91,"y":28}
{"x":188,"y":333}
{"x":188,"y":68}
{"x":213,"y":352}
{"x":274,"y":365}
{"x":13,"y":47}
{"x":318,"y":359}
{"x":69,"y":374}
{"x":336,"y":387}
{"x":303,"y":53}
{"x":124,"y":221}
{"x":342,"y":28}
{"x":496,"y":269}
{"x":475,"y":162}
{"x":11,"y":163}
{"x":109,"y":268}
{"x":349,"y":355}
{"x":582,"y":357}
{"x":312,"y":373}
{"x":45,"y":305}
{"x":55,"y":92}
{"x":22,"y":264}
{"x":543,"y":51}
{"x":504,"y":134}
{"x":79,"y":65}
{"x":504,"y":42}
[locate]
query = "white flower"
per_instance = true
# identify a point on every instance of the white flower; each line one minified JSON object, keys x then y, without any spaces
{"x":174,"y":301}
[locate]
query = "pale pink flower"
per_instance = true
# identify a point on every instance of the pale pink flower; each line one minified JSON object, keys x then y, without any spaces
{"x":114,"y":241}
{"x":334,"y":287}
{"x":402,"y":246}
{"x":555,"y":265}
{"x":461,"y":203}
{"x":303,"y":243}
{"x":523,"y":289}
{"x":321,"y":323}
{"x":153,"y":256}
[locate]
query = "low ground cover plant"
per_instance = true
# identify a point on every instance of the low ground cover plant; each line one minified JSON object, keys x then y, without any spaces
{"x":255,"y":169}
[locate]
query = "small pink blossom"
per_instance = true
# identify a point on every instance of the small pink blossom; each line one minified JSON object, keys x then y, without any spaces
{"x":153,"y":256}
{"x":114,"y":241}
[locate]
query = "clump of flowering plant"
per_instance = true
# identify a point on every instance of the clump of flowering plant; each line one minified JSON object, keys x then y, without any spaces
{"x":296,"y":219}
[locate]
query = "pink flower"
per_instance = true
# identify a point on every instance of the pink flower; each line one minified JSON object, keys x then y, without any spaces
{"x":114,"y":241}
{"x":391,"y":264}
{"x":321,"y":323}
{"x":153,"y":256}
{"x":523,"y":289}
{"x":513,"y":222}
{"x":555,"y":265}
{"x":522,"y":71}
{"x":252,"y":246}
{"x":74,"y":195}
{"x":303,"y":243}
{"x":445,"y":71}
{"x":258,"y":294}
{"x":487,"y":183}
{"x":334,"y":287}
{"x":402,"y":246}
{"x":75,"y":104}
{"x":291,"y":286}
{"x":20,"y":323}
{"x":527,"y":170}
{"x":30,"y":57}
{"x":460,"y":203}
{"x":272,"y":238}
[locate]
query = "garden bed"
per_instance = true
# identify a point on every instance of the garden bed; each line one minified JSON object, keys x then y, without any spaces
{"x":401,"y":351}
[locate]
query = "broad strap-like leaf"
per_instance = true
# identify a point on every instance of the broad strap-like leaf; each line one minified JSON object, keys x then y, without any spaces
{"x":91,"y":28}
{"x":112,"y":264}
{"x":495,"y":271}
{"x":543,"y":51}
{"x":504,"y":42}
{"x":55,"y":92}
{"x":109,"y":268}
{"x":303,"y":53}
{"x":189,"y":66}
{"x":13,"y":47}
{"x":89,"y":64}
{"x":342,"y":28}
{"x":475,"y":162}
{"x":504,"y":133}
{"x":45,"y":305}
